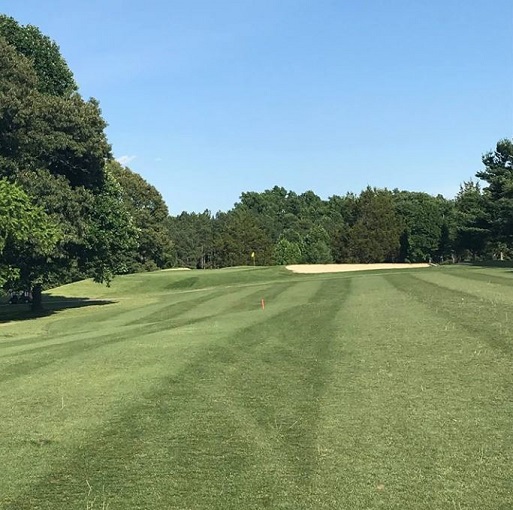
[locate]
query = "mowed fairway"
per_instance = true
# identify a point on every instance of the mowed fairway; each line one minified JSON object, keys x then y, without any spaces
{"x":379,"y":390}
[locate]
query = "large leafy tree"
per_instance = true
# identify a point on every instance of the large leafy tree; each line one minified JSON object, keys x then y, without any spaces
{"x":286,"y":252}
{"x":64,"y":135}
{"x":23,"y":226}
{"x":423,"y":217}
{"x":498,"y":174}
{"x":375,"y":236}
{"x":238,"y":234}
{"x":150,"y":215}
{"x":473,"y":221}
{"x":192,"y":235}
{"x":52,"y":143}
{"x":96,"y":232}
{"x":270,"y":207}
{"x":110,"y":234}
{"x":53,"y":75}
{"x":317,"y":246}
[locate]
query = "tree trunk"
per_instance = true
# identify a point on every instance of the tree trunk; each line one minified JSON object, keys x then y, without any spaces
{"x":37,"y":298}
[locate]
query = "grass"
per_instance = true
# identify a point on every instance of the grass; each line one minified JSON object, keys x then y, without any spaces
{"x":380,"y":390}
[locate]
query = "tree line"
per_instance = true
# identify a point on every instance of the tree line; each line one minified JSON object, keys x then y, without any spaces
{"x":378,"y":225}
{"x":69,"y":211}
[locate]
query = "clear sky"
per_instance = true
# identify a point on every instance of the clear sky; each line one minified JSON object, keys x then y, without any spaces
{"x":210,"y":98}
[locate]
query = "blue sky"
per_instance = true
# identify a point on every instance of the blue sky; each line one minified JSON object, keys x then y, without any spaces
{"x":207,"y":99}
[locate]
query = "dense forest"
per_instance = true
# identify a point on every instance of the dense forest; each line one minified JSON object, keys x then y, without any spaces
{"x":69,"y":211}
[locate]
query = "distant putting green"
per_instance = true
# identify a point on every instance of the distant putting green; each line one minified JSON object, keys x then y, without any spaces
{"x":176,"y":390}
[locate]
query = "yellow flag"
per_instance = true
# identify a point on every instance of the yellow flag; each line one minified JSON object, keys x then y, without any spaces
{"x":252,"y":254}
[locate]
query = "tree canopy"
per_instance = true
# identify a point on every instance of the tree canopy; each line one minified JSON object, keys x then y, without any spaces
{"x":53,"y":146}
{"x":52,"y":73}
{"x":23,"y":227}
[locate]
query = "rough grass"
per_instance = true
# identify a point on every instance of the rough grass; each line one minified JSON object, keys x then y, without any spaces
{"x":177,"y":391}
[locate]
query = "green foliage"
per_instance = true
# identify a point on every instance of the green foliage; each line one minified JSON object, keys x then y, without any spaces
{"x":193,"y":239}
{"x":63,"y":135}
{"x":316,"y":246}
{"x":150,"y":215}
{"x":423,"y":217}
{"x":20,"y":220}
{"x":96,"y":231}
{"x":23,"y":227}
{"x":60,"y":133}
{"x":498,"y":174}
{"x":70,"y":208}
{"x":445,"y":243}
{"x":53,"y":144}
{"x":375,"y":236}
{"x":110,"y":234}
{"x":270,"y":207}
{"x":472,"y":218}
{"x":286,"y":252}
{"x":53,"y":74}
{"x":237,"y":234}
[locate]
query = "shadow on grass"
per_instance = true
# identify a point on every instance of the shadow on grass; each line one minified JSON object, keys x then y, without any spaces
{"x":51,"y":305}
{"x":492,"y":263}
{"x":504,"y":264}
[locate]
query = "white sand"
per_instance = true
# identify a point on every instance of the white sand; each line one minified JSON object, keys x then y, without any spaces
{"x":339,"y":268}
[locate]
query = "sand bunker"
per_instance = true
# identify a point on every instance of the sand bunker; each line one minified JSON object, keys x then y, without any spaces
{"x":339,"y":268}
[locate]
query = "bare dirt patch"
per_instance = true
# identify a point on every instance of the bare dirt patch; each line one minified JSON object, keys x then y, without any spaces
{"x":340,"y":268}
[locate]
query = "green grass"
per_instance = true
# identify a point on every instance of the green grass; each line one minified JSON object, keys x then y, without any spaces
{"x":380,"y":390}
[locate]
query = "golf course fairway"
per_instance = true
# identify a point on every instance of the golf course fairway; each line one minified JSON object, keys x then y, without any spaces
{"x":253,"y":388}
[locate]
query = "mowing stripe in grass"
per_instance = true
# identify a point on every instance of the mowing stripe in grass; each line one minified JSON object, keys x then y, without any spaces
{"x":409,"y":409}
{"x":351,"y":392}
{"x":77,"y":343}
{"x":115,"y":315}
{"x":82,"y":362}
{"x":461,"y":308}
{"x":495,"y":290}
{"x":186,"y":423}
{"x":499,"y":278}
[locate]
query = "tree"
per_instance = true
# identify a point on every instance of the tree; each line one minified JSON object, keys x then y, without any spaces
{"x":375,"y":235}
{"x":53,"y":144}
{"x":95,"y":229}
{"x":286,"y":252}
{"x":110,"y":234}
{"x":150,"y":216}
{"x":317,"y":246}
{"x":237,"y":234}
{"x":445,"y":243}
{"x":498,"y":174}
{"x":472,"y":219}
{"x":23,"y":227}
{"x":53,"y":74}
{"x":63,"y":135}
{"x":423,"y":217}
{"x":269,"y":207}
{"x":342,"y":212}
{"x":193,"y":239}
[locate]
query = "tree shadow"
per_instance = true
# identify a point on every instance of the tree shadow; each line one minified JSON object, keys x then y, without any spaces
{"x":51,"y":305}
{"x":504,"y":264}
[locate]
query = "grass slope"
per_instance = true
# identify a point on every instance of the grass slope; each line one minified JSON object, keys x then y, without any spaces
{"x":177,"y":391}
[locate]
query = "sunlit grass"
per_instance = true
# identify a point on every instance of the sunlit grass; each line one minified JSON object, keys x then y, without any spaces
{"x":177,"y":391}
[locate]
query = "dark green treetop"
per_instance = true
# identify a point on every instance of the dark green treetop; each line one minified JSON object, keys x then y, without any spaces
{"x":53,"y":74}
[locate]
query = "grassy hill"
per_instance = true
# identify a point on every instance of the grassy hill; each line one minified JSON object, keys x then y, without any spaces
{"x":176,"y":390}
